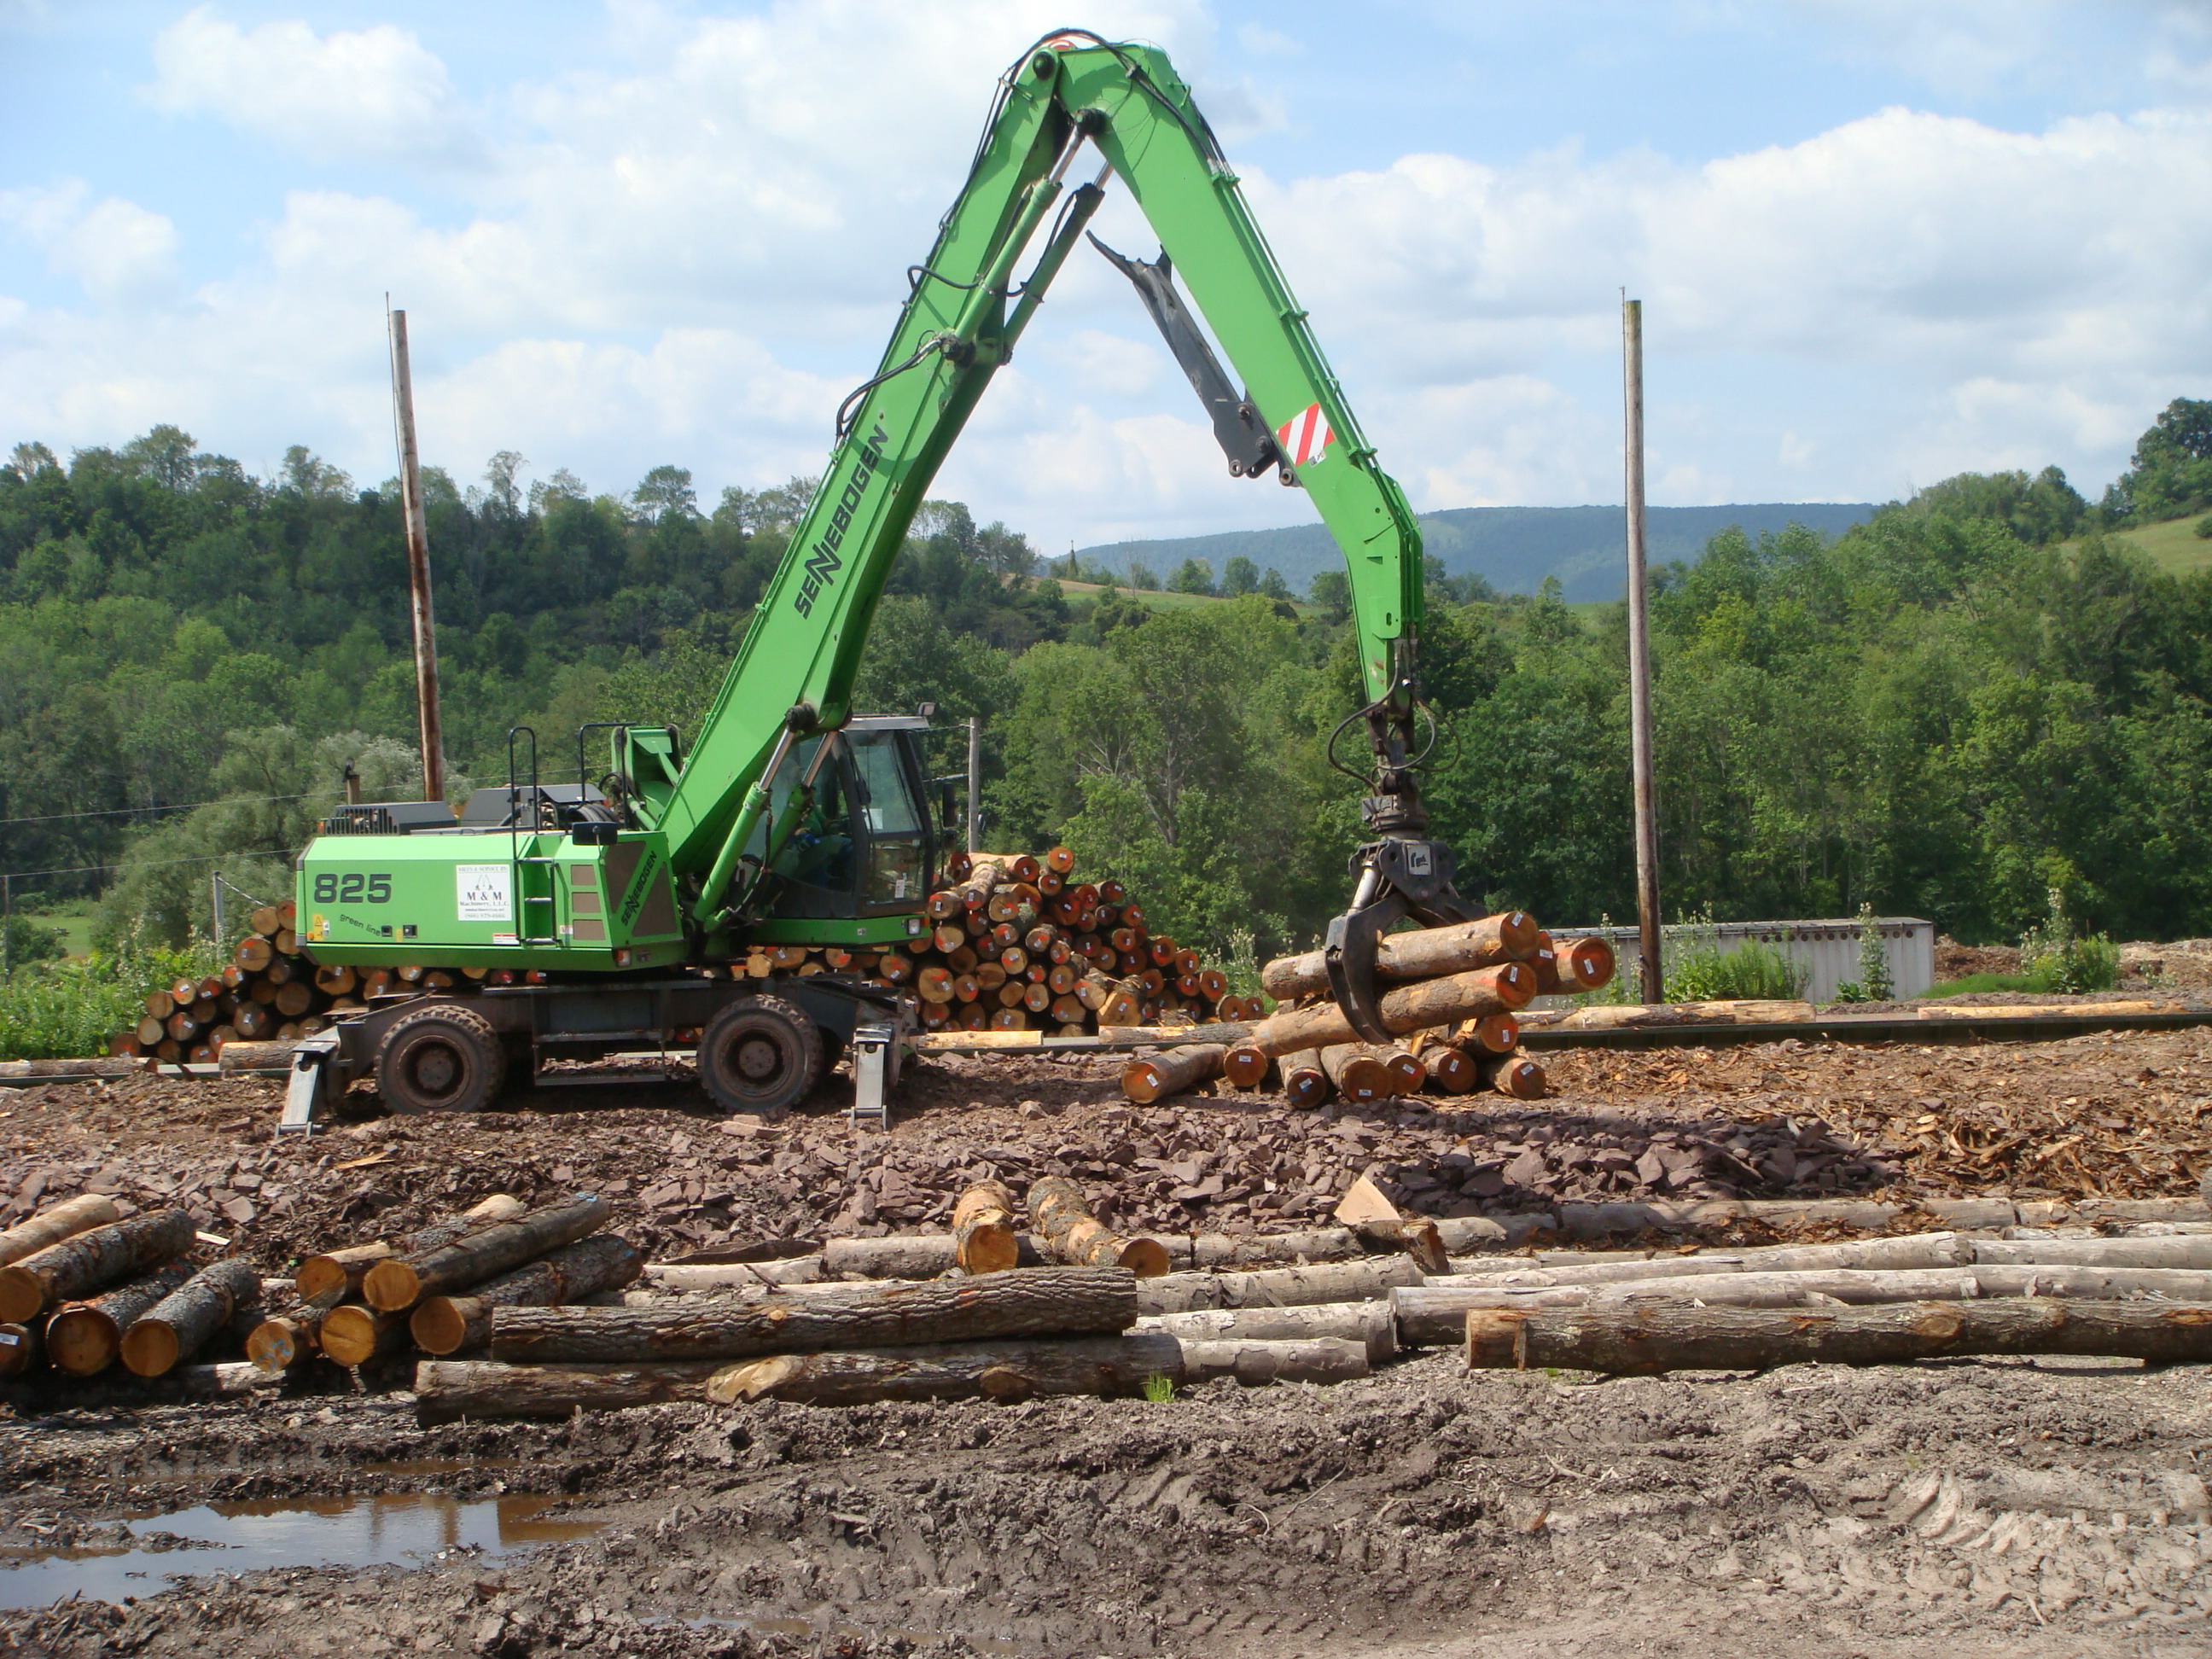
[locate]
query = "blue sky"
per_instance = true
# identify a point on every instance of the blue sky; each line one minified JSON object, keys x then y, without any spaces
{"x":1879,"y":242}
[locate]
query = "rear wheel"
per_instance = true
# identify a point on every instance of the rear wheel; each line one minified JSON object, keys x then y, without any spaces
{"x":441,"y":1058}
{"x":759,"y":1054}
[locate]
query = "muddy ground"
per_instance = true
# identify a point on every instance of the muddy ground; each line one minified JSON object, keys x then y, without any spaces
{"x":1963,"y":1507}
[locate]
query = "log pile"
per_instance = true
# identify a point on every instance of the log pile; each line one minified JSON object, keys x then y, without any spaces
{"x":1017,"y":943}
{"x":84,"y":1288}
{"x":1449,"y":995}
{"x":437,"y":1288}
{"x":269,"y":992}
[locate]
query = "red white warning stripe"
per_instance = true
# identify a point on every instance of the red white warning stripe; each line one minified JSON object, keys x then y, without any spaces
{"x":1304,"y":436}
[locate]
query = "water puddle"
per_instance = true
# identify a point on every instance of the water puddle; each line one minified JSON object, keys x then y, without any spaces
{"x":400,"y":1529}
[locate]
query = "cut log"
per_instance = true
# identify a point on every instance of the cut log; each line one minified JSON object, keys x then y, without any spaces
{"x":279,"y":1344}
{"x":1071,"y":1234}
{"x":1499,"y":990}
{"x":1304,"y":1082}
{"x":240,"y":1058}
{"x":1278,"y":1287}
{"x":1367,"y":1213}
{"x":84,"y":1337}
{"x":178,"y":1326}
{"x":91,"y":1261}
{"x":1406,"y":1069}
{"x":324,"y":1282}
{"x":1107,"y":1366}
{"x":1154,"y":1077}
{"x":351,"y":1335}
{"x":1650,"y":1340}
{"x":1493,"y":1034}
{"x":1511,"y":1074}
{"x":447,"y":1324}
{"x":447,"y":1390}
{"x":398,"y":1284}
{"x":2182,"y":1251}
{"x":740,"y":1275}
{"x":1256,"y":1363}
{"x":984,"y":1240}
{"x":1450,"y":1068}
{"x":1370,"y":1324}
{"x":1359,"y":1074}
{"x":1575,"y":966}
{"x":49,"y":1226}
{"x":1429,"y":953}
{"x":19,"y":1349}
{"x":1246,"y":1067}
{"x":1035,"y":1302}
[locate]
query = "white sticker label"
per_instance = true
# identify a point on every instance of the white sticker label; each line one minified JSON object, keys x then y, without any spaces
{"x":481,"y":892}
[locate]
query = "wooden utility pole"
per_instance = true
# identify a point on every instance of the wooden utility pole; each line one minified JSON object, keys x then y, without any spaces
{"x":974,"y":784}
{"x":1639,"y":660}
{"x":418,"y":566}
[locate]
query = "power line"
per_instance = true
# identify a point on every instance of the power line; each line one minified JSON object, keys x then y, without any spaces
{"x":143,"y":864}
{"x":179,"y":806}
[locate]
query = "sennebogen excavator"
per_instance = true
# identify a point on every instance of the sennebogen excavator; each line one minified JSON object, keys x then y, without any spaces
{"x":789,"y":819}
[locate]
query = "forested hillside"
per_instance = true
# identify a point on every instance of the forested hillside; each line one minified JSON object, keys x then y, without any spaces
{"x":1975,"y":696}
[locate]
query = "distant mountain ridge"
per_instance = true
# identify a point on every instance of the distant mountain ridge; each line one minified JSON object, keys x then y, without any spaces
{"x":1514,"y":548}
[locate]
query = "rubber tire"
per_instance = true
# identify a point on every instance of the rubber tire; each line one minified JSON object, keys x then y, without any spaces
{"x":759,"y":1054}
{"x":441,"y":1058}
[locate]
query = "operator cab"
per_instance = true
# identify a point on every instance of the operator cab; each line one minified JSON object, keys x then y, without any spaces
{"x":866,"y":848}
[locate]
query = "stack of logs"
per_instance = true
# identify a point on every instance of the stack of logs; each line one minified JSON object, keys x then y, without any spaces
{"x":269,"y":991}
{"x":83,"y":1287}
{"x":436,"y":1289}
{"x":1016,"y":943}
{"x":988,"y":1327}
{"x":1449,"y":995}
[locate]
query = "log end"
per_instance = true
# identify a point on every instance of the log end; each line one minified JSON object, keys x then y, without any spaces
{"x":277,"y":1345}
{"x":438,"y":1326}
{"x":1141,"y":1082}
{"x":989,"y":1248}
{"x":348,"y":1334}
{"x":21,"y":1296}
{"x":19,"y":1349}
{"x":150,"y":1348}
{"x":82,"y":1342}
{"x":391,"y":1286}
{"x":1496,"y":1340}
{"x":749,"y":1379}
{"x":1147,"y":1258}
{"x":316,"y":1276}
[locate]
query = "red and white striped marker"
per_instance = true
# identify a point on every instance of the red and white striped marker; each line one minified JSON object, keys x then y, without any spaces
{"x":1304,"y":436}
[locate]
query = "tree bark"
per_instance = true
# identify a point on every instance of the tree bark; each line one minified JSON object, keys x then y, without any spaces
{"x":984,"y":1240}
{"x":1107,"y":1366}
{"x":2182,"y":1251}
{"x":240,"y":1058}
{"x":1154,"y":1077}
{"x":396,"y":1285}
{"x":1304,"y":1082}
{"x":447,"y":1390}
{"x":1429,"y":953}
{"x":1358,"y":1075}
{"x":91,"y":1261}
{"x":324,"y":1282}
{"x":1256,"y":1363}
{"x":279,"y":1344}
{"x":1073,"y":1234}
{"x":1498,"y":990}
{"x":1658,"y":1337}
{"x":1374,"y":1218}
{"x":52,"y":1225}
{"x":1037,"y":1301}
{"x":178,"y":1326}
{"x":1371,"y":1324}
{"x":1511,"y":1074}
{"x":1278,"y":1287}
{"x":447,"y":1324}
{"x":352,"y":1335}
{"x":84,"y":1338}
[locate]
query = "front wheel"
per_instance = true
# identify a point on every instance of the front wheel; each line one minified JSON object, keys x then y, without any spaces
{"x":759,"y":1054}
{"x":441,"y":1058}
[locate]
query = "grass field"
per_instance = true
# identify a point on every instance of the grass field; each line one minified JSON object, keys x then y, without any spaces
{"x":2174,"y":546}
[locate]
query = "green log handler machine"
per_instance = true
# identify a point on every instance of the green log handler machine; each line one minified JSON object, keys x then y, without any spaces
{"x":786,"y":819}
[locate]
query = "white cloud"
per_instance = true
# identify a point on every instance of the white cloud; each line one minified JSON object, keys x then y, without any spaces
{"x":121,"y":254}
{"x":365,"y":95}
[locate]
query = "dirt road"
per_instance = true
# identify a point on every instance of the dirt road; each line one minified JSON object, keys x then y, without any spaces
{"x":1956,"y":1507}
